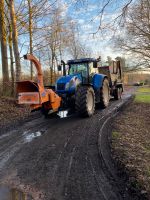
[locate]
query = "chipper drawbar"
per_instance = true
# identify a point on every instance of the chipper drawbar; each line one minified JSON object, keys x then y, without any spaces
{"x":34,"y":93}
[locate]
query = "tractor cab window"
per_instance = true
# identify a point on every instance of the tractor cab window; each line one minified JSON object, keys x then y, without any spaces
{"x":92,"y":70}
{"x":78,"y":68}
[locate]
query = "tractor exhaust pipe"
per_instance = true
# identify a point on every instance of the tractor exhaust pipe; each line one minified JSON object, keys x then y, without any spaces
{"x":64,"y":69}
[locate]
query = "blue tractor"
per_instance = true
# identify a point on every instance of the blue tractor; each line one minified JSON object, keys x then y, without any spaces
{"x":84,"y":86}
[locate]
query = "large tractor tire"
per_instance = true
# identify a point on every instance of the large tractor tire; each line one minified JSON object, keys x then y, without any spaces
{"x":117,"y":93}
{"x":85,"y":101}
{"x":105,"y":94}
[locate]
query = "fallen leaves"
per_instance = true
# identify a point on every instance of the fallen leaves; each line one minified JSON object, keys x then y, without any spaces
{"x":132,"y":145}
{"x":10,"y":111}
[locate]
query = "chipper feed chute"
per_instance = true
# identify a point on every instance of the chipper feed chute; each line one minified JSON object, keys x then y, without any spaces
{"x":34,"y":93}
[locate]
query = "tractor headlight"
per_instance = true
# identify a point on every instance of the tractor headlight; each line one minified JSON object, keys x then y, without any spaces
{"x":72,"y":83}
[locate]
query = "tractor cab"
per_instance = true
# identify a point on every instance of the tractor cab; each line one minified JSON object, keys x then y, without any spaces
{"x":87,"y":67}
{"x":80,"y":71}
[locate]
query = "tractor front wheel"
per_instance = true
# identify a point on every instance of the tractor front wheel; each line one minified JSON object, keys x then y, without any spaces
{"x":85,"y":101}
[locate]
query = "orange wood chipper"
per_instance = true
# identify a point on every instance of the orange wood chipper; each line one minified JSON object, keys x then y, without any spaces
{"x":34,"y":93}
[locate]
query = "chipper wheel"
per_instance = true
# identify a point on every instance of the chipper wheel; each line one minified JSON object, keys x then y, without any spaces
{"x":117,"y":93}
{"x":105,"y":94}
{"x":44,"y":112}
{"x":85,"y":101}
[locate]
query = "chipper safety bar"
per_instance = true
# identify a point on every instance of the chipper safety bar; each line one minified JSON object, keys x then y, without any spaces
{"x":34,"y":93}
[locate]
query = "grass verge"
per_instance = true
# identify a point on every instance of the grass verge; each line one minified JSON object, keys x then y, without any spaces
{"x":142,"y":98}
{"x":143,"y":95}
{"x":144,"y":89}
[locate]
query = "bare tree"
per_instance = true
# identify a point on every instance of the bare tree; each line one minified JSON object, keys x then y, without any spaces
{"x":10,"y":43}
{"x":114,"y":7}
{"x":3,"y":39}
{"x":76,"y":48}
{"x":109,"y":60}
{"x":30,"y":35}
{"x":136,"y":37}
{"x":15,"y":39}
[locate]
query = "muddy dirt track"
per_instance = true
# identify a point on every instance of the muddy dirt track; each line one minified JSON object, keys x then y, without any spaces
{"x":61,"y":159}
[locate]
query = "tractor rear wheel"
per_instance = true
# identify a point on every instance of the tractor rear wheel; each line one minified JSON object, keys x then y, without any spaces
{"x":85,"y":101}
{"x":105,"y":94}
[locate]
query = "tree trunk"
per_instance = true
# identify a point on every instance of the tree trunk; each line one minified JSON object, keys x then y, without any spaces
{"x":56,"y":59}
{"x":3,"y":39}
{"x":30,"y":36}
{"x":53,"y":70}
{"x":15,"y":40}
{"x":49,"y":59}
{"x":11,"y":61}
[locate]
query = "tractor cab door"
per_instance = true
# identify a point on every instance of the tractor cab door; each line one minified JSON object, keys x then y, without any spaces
{"x":92,"y":70}
{"x":80,"y":68}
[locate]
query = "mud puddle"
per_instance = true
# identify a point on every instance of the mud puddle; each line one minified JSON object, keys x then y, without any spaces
{"x":7,"y":193}
{"x":28,"y":137}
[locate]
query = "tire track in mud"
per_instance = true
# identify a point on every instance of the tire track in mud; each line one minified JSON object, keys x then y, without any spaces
{"x":109,"y":193}
{"x":67,"y":164}
{"x":67,"y":155}
{"x":87,"y":166}
{"x":67,"y":179}
{"x":90,"y":167}
{"x":12,"y":141}
{"x":97,"y":167}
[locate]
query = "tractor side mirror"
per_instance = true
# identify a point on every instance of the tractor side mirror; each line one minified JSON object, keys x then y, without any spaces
{"x":59,"y":68}
{"x":95,"y":65}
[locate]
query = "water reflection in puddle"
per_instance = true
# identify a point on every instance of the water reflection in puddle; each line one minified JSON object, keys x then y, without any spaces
{"x":28,"y":137}
{"x":13,"y":194}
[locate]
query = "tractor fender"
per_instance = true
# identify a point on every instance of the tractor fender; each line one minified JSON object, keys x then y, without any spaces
{"x":97,"y":81}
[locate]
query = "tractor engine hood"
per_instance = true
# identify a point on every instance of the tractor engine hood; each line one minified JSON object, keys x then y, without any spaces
{"x":68,"y":84}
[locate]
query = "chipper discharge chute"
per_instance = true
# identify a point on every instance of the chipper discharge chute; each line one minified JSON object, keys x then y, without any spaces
{"x":34,"y":93}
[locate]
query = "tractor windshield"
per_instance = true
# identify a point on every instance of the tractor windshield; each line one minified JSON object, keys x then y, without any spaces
{"x":78,"y":68}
